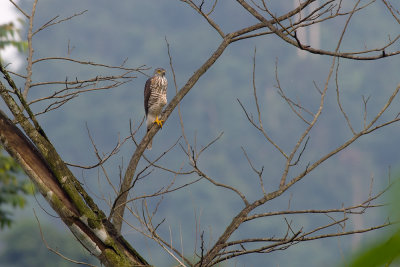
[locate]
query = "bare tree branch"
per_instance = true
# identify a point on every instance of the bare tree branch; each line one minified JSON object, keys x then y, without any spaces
{"x":117,"y":218}
{"x":53,"y":21}
{"x":28,"y":79}
{"x":74,"y":203}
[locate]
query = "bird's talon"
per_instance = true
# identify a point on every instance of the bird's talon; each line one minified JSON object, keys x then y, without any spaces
{"x":159,"y":122}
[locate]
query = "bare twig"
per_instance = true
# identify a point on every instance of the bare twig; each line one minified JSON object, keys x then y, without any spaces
{"x":140,"y":69}
{"x":28,"y":79}
{"x":206,"y":16}
{"x":53,"y":21}
{"x":240,"y":194}
{"x":339,"y":102}
{"x":259,"y":173}
{"x":55,"y":251}
{"x":20,"y":9}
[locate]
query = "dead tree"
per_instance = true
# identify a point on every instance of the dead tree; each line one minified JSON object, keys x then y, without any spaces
{"x":26,"y":141}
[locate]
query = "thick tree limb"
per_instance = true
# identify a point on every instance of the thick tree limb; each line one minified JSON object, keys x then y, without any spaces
{"x":94,"y":232}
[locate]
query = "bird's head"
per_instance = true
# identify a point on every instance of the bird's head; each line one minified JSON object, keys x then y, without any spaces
{"x":159,"y":71}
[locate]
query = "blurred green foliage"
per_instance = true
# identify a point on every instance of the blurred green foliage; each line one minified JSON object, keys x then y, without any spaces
{"x":9,"y":35}
{"x":385,"y":251}
{"x":14,"y":186}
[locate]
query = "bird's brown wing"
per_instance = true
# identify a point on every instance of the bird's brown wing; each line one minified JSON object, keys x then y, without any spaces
{"x":147,"y":93}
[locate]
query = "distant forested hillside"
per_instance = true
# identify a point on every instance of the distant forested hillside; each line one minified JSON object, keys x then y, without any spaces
{"x":111,"y":32}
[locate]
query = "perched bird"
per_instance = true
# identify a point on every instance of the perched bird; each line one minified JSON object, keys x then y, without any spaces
{"x":155,"y":98}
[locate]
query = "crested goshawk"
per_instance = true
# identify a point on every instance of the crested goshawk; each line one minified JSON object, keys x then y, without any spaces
{"x":155,"y":98}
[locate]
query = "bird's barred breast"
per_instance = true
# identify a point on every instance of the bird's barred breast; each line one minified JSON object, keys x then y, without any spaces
{"x":156,"y":102}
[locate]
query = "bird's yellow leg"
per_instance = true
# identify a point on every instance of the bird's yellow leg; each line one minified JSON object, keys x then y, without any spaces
{"x":159,"y":122}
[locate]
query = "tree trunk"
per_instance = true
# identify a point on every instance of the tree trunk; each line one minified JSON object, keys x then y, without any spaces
{"x":96,"y":234}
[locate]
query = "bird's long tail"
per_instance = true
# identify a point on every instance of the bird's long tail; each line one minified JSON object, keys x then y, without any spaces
{"x":150,"y":143}
{"x":149,"y":123}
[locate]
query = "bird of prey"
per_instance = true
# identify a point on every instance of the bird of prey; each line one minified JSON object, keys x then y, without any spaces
{"x":155,"y":98}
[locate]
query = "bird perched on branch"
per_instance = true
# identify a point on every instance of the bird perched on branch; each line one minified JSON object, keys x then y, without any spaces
{"x":155,"y":98}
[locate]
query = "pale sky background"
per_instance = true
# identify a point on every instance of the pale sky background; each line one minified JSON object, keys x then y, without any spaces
{"x":9,"y":13}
